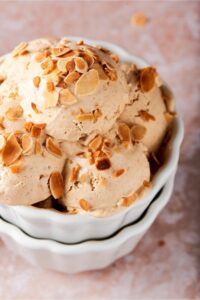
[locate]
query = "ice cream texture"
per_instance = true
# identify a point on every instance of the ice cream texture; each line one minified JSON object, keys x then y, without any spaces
{"x":77,"y":125}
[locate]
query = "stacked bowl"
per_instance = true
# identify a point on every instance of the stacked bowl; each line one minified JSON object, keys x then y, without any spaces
{"x":80,"y":242}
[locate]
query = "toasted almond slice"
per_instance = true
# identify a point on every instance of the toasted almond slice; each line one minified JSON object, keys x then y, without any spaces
{"x":28,"y":126}
{"x":71,"y":77}
{"x":147,"y":79}
{"x":66,"y":97}
{"x":16,"y":168}
{"x":74,"y":173}
{"x":20,"y":49}
{"x":85,"y":117}
{"x":38,"y":148}
{"x":35,"y":131}
{"x":61,"y":65}
{"x":102,"y":163}
{"x":145,"y":116}
{"x":52,"y":148}
{"x":118,"y":173}
{"x":87,"y":84}
{"x":88,"y":58}
{"x":53,"y":77}
{"x":124,"y":132}
{"x":70,"y":66}
{"x":11,"y":151}
{"x":147,"y":184}
{"x":41,"y":125}
{"x":50,"y":99}
{"x":115,"y":57}
{"x":27,"y":143}
{"x":34,"y":107}
{"x":59,"y":51}
{"x":56,"y":185}
{"x":50,"y":86}
{"x":102,"y":74}
{"x":2,"y":142}
{"x":138,"y":132}
{"x":47,"y":65}
{"x":81,"y":65}
{"x":36,"y":81}
{"x":84,"y":204}
{"x":169,"y":116}
{"x":127,"y":201}
{"x":14,"y":113}
{"x":39,"y":57}
{"x":96,"y":143}
{"x":110,"y":71}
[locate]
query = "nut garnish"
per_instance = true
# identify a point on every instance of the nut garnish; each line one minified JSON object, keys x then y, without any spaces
{"x":16,"y":168}
{"x":124,"y":132}
{"x":127,"y":201}
{"x":36,"y":81}
{"x":169,"y":116}
{"x":11,"y":151}
{"x":110,"y":71}
{"x":114,"y":57}
{"x":59,"y":51}
{"x":56,"y":185}
{"x":72,"y":77}
{"x":138,"y":132}
{"x":34,"y":107}
{"x":66,"y":97}
{"x":118,"y":173}
{"x":28,"y":126}
{"x":27,"y":143}
{"x":20,"y":49}
{"x":47,"y":65}
{"x":50,"y":98}
{"x":147,"y":79}
{"x":2,"y":142}
{"x":84,"y":204}
{"x":102,"y":163}
{"x":88,"y":58}
{"x":81,"y":65}
{"x":50,"y":86}
{"x":102,"y":74}
{"x":38,"y":147}
{"x":96,"y":143}
{"x":85,"y":117}
{"x":145,"y":116}
{"x":87,"y":84}
{"x":14,"y":113}
{"x":74,"y":173}
{"x":39,"y":57}
{"x":52,"y":148}
{"x":147,"y":184}
{"x":35,"y":131}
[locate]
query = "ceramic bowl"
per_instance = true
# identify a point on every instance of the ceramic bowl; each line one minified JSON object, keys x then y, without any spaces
{"x":43,"y":223}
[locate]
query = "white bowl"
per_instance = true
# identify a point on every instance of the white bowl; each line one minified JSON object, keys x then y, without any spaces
{"x":43,"y":223}
{"x":85,"y":256}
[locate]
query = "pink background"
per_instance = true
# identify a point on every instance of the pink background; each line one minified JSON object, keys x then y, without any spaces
{"x":169,"y":41}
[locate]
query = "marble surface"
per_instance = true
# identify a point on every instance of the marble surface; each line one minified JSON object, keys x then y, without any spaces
{"x":166,"y":263}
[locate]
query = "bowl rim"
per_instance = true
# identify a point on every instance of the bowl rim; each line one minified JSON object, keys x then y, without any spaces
{"x":20,"y":237}
{"x":159,"y":179}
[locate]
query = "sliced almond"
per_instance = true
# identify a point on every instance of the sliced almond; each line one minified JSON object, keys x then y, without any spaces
{"x":74,"y":173}
{"x":20,"y":49}
{"x":84,"y":204}
{"x":56,"y":185}
{"x":14,"y":113}
{"x":35,"y":131}
{"x":138,"y":132}
{"x":96,"y":143}
{"x":71,"y":78}
{"x":85,"y":117}
{"x":52,"y":148}
{"x":11,"y":151}
{"x":124,"y":132}
{"x":118,"y":173}
{"x":99,"y":69}
{"x":47,"y":65}
{"x":110,"y":71}
{"x":87,"y":84}
{"x":2,"y":142}
{"x":169,"y":116}
{"x":81,"y":65}
{"x":34,"y":108}
{"x":115,"y":57}
{"x":36,"y":81}
{"x":27,"y":143}
{"x":147,"y":79}
{"x":53,"y":77}
{"x":16,"y":168}
{"x":50,"y":86}
{"x":66,"y":97}
{"x":50,"y":99}
{"x":38,"y":148}
{"x":147,"y":184}
{"x":127,"y":201}
{"x":39,"y":57}
{"x":88,"y":58}
{"x":59,"y":51}
{"x":146,"y":116}
{"x":61,"y":65}
{"x":28,"y":126}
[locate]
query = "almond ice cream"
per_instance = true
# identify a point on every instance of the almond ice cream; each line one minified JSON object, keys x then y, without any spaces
{"x":78,"y":127}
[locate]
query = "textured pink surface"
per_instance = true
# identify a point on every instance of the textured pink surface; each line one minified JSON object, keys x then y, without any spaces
{"x":169,"y":41}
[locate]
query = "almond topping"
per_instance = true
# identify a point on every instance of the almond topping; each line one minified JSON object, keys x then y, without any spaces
{"x":27,"y":143}
{"x":71,"y":77}
{"x":53,"y":76}
{"x":87,"y":84}
{"x":34,"y":107}
{"x":14,"y":113}
{"x":28,"y":126}
{"x":88,"y":58}
{"x":38,"y":147}
{"x":66,"y":97}
{"x":146,"y":184}
{"x":50,"y":86}
{"x":59,"y":51}
{"x":51,"y":98}
{"x":110,"y":71}
{"x":85,"y":117}
{"x":103,"y":163}
{"x":35,"y":131}
{"x":11,"y":151}
{"x":56,"y":185}
{"x":114,"y":57}
{"x":147,"y":79}
{"x":127,"y":201}
{"x":99,"y":69}
{"x":138,"y":132}
{"x":96,"y":143}
{"x":74,"y":173}
{"x":118,"y":173}
{"x":16,"y":168}
{"x":47,"y":65}
{"x":124,"y":132}
{"x":52,"y":148}
{"x":84,"y":204}
{"x":169,"y":116}
{"x":145,"y":116}
{"x":20,"y":49}
{"x":2,"y":142}
{"x":36,"y":81}
{"x":39,"y":57}
{"x":81,"y":65}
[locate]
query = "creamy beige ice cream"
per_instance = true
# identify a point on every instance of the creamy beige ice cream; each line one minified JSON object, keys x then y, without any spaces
{"x":77,"y":126}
